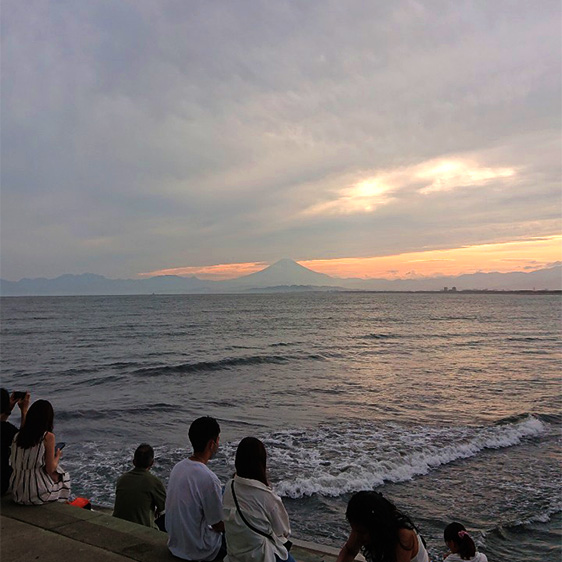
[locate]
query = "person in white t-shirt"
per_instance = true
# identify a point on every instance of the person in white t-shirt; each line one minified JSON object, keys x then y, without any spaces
{"x":194,"y":519}
{"x":256,"y":522}
{"x":461,"y":545}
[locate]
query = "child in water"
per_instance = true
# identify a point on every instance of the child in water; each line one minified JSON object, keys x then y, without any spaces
{"x":381,"y":532}
{"x":461,"y":545}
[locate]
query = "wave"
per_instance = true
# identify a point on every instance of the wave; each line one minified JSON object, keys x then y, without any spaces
{"x":534,"y":338}
{"x":545,"y":516}
{"x":452,"y":318}
{"x":547,"y":418}
{"x":100,"y":381}
{"x":73,"y":372}
{"x":341,"y":459}
{"x":227,"y":363}
{"x":332,"y":460}
{"x":110,"y":413}
{"x":379,"y":337}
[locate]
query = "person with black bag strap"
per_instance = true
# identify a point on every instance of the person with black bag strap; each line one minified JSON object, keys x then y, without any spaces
{"x":256,"y":522}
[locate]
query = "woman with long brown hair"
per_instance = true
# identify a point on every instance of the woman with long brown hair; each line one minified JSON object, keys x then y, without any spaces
{"x":381,"y":531}
{"x":37,"y":477}
{"x":256,"y":522}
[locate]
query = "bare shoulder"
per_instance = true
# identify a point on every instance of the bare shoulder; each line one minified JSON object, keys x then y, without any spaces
{"x":407,"y":547}
{"x":49,"y":437}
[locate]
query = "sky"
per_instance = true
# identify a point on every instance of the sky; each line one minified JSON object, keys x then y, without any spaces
{"x":362,"y":139}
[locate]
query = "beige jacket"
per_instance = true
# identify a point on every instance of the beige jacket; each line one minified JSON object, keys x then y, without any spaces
{"x":264,"y":509}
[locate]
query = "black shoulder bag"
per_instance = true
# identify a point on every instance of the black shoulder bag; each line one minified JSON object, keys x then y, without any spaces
{"x":287,"y":544}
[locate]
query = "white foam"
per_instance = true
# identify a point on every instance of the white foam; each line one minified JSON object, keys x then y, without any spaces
{"x":331,"y":460}
{"x":335,"y":460}
{"x":544,"y":517}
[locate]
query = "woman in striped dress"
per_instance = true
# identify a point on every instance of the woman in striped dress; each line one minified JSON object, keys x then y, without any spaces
{"x":37,"y":477}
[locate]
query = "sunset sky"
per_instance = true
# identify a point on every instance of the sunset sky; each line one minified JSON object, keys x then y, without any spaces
{"x":361,"y":139}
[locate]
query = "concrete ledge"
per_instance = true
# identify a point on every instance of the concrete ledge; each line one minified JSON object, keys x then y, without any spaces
{"x":57,"y":532}
{"x":23,"y":543}
{"x":64,"y":529}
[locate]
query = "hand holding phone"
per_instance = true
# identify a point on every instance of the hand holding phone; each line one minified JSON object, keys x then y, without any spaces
{"x":18,"y":394}
{"x":59,"y":446}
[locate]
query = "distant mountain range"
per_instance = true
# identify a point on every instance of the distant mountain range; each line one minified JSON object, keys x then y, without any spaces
{"x":283,"y":276}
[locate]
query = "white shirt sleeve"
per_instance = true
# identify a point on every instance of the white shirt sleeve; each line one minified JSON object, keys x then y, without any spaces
{"x":279,"y":518}
{"x":211,"y":501}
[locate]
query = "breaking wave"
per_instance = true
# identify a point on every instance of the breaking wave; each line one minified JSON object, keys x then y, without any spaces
{"x":336,"y":460}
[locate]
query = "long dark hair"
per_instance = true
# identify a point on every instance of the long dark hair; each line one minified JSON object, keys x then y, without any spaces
{"x":456,"y":532}
{"x":382,"y":521}
{"x":251,"y":460}
{"x":40,"y":418}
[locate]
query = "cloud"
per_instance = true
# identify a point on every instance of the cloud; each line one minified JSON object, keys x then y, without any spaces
{"x":137,"y":136}
{"x":213,"y":272}
{"x":446,"y":175}
{"x":378,"y":188}
{"x":523,"y":255}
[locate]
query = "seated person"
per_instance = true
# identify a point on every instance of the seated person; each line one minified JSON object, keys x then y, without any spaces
{"x":255,"y":519}
{"x":194,"y":500}
{"x":381,"y":531}
{"x":140,"y":496}
{"x":461,"y":545}
{"x":37,"y":476}
{"x":9,"y":430}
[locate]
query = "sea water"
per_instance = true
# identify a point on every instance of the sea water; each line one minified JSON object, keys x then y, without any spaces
{"x":449,"y":404}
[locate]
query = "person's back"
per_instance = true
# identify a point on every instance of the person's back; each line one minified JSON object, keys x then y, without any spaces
{"x":191,"y":510}
{"x":256,"y":522}
{"x":461,"y":545}
{"x":37,"y":476}
{"x":139,"y":495}
{"x":478,"y":557}
{"x":381,"y":531}
{"x":194,"y":499}
{"x":8,"y":431}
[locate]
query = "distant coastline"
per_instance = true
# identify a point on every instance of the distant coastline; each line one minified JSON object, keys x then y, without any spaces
{"x":288,"y":290}
{"x":285,"y":276}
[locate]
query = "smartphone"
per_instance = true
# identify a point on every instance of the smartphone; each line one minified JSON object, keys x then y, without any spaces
{"x":18,"y":394}
{"x":59,"y":446}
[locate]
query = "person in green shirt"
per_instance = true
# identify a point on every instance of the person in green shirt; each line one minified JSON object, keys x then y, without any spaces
{"x":140,"y":496}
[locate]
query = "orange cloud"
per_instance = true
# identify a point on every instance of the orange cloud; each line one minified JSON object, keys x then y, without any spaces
{"x":523,"y":255}
{"x":211,"y":272}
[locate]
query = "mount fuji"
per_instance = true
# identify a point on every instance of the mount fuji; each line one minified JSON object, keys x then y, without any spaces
{"x":283,"y":276}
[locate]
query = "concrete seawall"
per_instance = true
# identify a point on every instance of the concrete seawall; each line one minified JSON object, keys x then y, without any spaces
{"x":58,"y":532}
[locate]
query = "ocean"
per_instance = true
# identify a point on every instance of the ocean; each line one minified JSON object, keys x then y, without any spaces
{"x":449,"y":404}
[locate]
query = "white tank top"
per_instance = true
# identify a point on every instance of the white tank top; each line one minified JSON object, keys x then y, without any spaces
{"x":422,"y":555}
